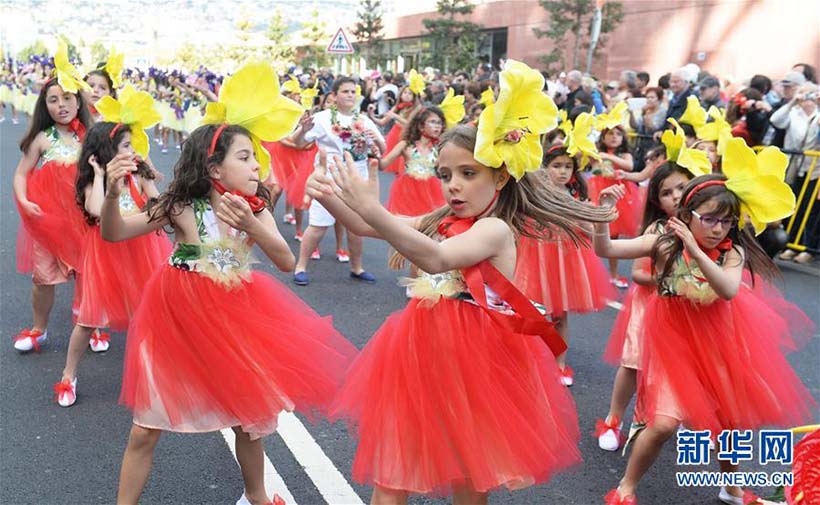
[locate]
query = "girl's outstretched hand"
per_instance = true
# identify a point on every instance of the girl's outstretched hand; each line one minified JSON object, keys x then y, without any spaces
{"x":351,"y":188}
{"x":679,"y":228}
{"x":610,"y":196}
{"x":319,"y":183}
{"x":116,"y":170}
{"x":235,"y":211}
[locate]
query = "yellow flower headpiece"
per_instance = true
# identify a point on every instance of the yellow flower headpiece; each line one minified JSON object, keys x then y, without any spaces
{"x":578,"y":140}
{"x":718,"y":130}
{"x":694,"y":114}
{"x":308,"y":96}
{"x":509,"y":129}
{"x":67,"y":76}
{"x":250,"y":98}
{"x":358,"y":91}
{"x":134,"y":109}
{"x":694,"y":160}
{"x":292,"y":86}
{"x":113,"y":67}
{"x":487,"y":97}
{"x":757,"y":181}
{"x":453,"y":108}
{"x":415,"y":82}
{"x":564,"y":124}
{"x":611,"y":119}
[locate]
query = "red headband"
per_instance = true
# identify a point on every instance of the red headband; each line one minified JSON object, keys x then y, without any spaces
{"x":114,"y":130}
{"x":701,"y":186}
{"x":555,"y":147}
{"x":215,"y":138}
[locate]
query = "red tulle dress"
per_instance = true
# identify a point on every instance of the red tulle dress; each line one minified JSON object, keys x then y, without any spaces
{"x":625,"y":340}
{"x":717,"y":364}
{"x":115,"y":273}
{"x":304,"y":161}
{"x":60,"y":230}
{"x":630,"y":207}
{"x":561,"y":275}
{"x":393,"y":137}
{"x":281,"y":161}
{"x":451,"y":391}
{"x":417,"y":190}
{"x":214,"y":344}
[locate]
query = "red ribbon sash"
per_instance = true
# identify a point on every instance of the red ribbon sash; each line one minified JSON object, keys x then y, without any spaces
{"x":526,"y":320}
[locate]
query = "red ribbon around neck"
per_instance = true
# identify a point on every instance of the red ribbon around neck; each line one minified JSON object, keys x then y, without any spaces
{"x":404,"y":105}
{"x":256,"y":203}
{"x":713,"y":254}
{"x":78,"y":128}
{"x":526,"y":320}
{"x":139,"y":200}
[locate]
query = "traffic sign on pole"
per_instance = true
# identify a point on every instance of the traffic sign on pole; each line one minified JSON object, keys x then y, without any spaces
{"x":340,"y":44}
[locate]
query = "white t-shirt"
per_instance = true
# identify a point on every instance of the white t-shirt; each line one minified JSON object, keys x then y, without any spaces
{"x":322,"y":132}
{"x":381,"y":97}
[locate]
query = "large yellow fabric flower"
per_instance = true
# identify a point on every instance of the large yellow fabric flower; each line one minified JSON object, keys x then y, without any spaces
{"x":415,"y":82}
{"x":611,"y":119}
{"x":67,"y":76}
{"x":578,"y":140}
{"x":509,"y":129}
{"x":250,"y":98}
{"x":564,"y":124}
{"x":487,"y":97}
{"x":292,"y":86}
{"x":134,"y":109}
{"x":694,"y":114}
{"x":757,"y":181}
{"x":718,"y":130}
{"x":694,"y":160}
{"x":453,"y":108}
{"x":113,"y":67}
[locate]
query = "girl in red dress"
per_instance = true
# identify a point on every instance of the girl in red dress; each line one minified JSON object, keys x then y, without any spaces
{"x":417,"y":190}
{"x":114,"y":274}
{"x":625,"y":342}
{"x":214,"y":344}
{"x":457,"y":394}
{"x":408,"y":103}
{"x":558,"y":273}
{"x":613,"y":148}
{"x":50,"y":240}
{"x":713,"y":358}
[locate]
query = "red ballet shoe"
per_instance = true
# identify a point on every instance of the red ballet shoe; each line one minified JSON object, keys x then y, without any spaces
{"x":614,"y":498}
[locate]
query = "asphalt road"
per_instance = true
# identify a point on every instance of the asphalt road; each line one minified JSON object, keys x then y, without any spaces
{"x":50,"y":455}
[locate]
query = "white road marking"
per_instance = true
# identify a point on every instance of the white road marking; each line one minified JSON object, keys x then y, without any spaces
{"x":273,"y":481}
{"x":328,"y":479}
{"x":616,"y":305}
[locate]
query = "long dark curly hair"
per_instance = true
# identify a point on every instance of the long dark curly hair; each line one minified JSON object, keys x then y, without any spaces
{"x":412,"y":133}
{"x":42,"y":120}
{"x":99,"y":143}
{"x":669,"y":247}
{"x":192,"y":177}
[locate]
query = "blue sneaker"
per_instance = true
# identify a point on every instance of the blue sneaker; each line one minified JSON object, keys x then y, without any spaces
{"x":364,"y":276}
{"x":301,"y":279}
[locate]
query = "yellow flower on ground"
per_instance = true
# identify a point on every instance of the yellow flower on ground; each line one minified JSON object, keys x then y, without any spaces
{"x":134,"y":109}
{"x":509,"y":130}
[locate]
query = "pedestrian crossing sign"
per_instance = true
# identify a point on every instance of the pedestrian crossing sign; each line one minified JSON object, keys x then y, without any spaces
{"x":340,"y":44}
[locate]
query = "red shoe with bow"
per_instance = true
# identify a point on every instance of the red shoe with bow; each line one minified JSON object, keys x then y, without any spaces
{"x":614,"y":498}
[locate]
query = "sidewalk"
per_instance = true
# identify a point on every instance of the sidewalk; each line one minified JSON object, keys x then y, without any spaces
{"x":812,"y":268}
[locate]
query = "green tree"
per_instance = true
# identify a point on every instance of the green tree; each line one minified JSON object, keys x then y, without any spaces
{"x":279,"y":50}
{"x":573,"y":18}
{"x":368,"y":30}
{"x":36,"y":48}
{"x":316,"y":36}
{"x":454,"y":40}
